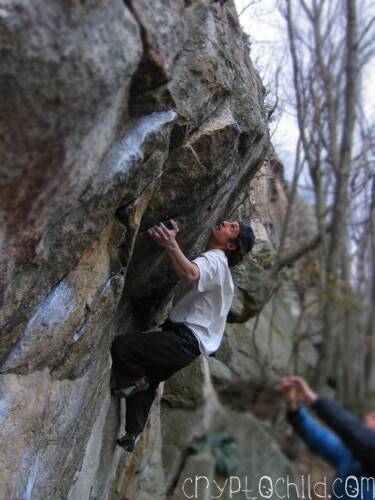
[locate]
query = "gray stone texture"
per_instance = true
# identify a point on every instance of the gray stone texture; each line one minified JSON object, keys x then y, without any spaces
{"x":150,"y":106}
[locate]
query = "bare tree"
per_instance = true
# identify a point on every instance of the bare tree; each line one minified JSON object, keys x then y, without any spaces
{"x":330,"y":44}
{"x":324,"y":53}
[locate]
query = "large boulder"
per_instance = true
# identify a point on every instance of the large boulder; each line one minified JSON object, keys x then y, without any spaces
{"x":261,"y":464}
{"x":257,"y":453}
{"x":63,"y":78}
{"x":268,"y":345}
{"x":154,"y":109}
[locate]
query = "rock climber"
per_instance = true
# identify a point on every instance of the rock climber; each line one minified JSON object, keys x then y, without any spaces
{"x":195,"y":324}
{"x":350,"y":449}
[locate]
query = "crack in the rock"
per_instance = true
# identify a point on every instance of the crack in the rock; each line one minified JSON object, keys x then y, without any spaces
{"x":150,"y":76}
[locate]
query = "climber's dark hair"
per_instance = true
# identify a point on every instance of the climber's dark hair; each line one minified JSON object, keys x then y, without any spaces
{"x":244,"y":243}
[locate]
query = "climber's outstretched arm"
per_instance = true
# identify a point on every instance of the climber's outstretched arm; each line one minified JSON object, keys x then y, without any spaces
{"x":358,"y":438}
{"x":184,"y":268}
{"x":319,"y":439}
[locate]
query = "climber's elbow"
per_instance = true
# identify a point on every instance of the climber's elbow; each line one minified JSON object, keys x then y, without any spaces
{"x":192,"y":274}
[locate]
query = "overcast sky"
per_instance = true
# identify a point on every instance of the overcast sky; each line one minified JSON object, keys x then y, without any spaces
{"x":266,"y":28}
{"x":264,"y":24}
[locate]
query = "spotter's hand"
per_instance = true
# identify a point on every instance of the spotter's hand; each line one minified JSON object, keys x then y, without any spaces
{"x":290,"y":393}
{"x":303,"y":390}
{"x":163,"y":236}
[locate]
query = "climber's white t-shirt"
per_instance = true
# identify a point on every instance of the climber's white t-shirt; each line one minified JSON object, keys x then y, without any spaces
{"x":203,"y":305}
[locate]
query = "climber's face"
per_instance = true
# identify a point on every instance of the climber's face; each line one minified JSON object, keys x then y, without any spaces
{"x":369,"y":420}
{"x":223,"y":233}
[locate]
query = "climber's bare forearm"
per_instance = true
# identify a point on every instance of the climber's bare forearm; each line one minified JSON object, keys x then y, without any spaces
{"x":183,"y":267}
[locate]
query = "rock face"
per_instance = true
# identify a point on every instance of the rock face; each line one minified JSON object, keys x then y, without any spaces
{"x":192,"y":417}
{"x":152,"y":107}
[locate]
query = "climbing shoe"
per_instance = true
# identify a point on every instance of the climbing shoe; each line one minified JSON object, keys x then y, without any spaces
{"x":125,"y":392}
{"x":128,"y":442}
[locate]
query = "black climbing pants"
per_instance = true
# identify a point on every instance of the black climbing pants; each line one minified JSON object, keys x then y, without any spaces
{"x":158,"y":355}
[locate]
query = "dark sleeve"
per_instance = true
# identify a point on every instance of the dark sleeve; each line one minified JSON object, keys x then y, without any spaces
{"x":320,"y":440}
{"x":359,"y":439}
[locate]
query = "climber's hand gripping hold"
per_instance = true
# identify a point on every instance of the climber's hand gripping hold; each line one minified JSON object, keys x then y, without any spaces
{"x":163,"y":236}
